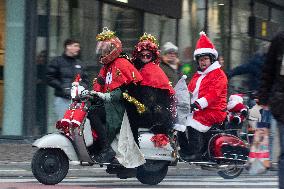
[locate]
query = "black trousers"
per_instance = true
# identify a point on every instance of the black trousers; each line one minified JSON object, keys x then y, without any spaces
{"x":97,"y":119}
{"x":192,"y":142}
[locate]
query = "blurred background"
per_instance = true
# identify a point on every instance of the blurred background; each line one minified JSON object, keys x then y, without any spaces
{"x":32,"y":33}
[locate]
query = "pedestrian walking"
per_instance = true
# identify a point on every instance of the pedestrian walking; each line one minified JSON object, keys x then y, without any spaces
{"x":271,"y":92}
{"x":61,"y":72}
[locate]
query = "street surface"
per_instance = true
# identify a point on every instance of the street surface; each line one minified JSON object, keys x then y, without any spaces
{"x":18,"y":175}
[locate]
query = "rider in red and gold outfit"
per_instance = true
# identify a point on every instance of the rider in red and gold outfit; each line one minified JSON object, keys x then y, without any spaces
{"x":154,"y":91}
{"x":116,"y":75}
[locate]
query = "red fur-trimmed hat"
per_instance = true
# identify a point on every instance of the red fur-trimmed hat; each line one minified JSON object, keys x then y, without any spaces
{"x":204,"y":46}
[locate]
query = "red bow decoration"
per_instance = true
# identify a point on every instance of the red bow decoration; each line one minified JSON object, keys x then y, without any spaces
{"x":160,"y":140}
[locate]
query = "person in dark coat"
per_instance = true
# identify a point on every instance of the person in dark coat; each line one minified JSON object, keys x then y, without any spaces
{"x":252,"y":68}
{"x":61,"y":73}
{"x":170,"y":62}
{"x":271,"y":92}
{"x":154,"y":91}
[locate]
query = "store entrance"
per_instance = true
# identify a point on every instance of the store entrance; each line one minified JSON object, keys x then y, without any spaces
{"x":2,"y":53}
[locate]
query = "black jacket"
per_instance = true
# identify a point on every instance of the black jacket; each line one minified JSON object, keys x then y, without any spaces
{"x":271,"y":91}
{"x":158,"y":115}
{"x":61,"y":72}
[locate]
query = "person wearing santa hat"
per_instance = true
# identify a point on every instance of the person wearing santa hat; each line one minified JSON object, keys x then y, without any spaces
{"x":208,"y":87}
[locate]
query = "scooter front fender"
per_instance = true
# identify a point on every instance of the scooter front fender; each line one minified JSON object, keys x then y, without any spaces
{"x":57,"y":140}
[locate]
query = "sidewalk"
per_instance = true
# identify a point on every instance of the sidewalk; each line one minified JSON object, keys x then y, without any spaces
{"x":16,"y":149}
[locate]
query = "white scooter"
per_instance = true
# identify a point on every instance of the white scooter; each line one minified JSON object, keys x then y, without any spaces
{"x":50,"y":163}
{"x":225,"y":152}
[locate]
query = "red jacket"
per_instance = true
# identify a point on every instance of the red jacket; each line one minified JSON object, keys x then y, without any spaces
{"x":209,"y":89}
{"x":119,"y":72}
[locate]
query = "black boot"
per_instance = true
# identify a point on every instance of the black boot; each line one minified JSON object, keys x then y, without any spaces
{"x":98,"y":122}
{"x":195,"y":146}
{"x":183,"y":143}
{"x":106,"y":156}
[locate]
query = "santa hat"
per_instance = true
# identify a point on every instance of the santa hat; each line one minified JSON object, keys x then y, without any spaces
{"x":204,"y":45}
{"x":237,"y":98}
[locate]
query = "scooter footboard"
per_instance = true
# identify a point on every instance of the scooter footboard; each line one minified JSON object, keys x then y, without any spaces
{"x":57,"y":140}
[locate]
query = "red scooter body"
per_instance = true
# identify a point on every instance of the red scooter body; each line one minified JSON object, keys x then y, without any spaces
{"x":224,"y":146}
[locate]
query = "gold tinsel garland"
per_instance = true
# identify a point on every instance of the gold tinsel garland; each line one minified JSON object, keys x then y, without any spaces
{"x":106,"y":34}
{"x":139,"y":106}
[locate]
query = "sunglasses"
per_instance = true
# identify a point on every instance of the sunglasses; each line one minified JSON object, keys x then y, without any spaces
{"x":148,"y":56}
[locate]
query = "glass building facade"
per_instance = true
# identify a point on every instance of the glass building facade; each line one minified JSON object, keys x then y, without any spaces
{"x":32,"y":32}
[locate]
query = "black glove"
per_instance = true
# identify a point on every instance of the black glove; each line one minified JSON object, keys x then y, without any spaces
{"x":244,"y":113}
{"x":194,"y":106}
{"x":236,"y":120}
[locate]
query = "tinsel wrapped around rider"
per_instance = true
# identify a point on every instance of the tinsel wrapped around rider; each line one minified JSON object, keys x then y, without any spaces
{"x":154,"y":91}
{"x":114,"y":77}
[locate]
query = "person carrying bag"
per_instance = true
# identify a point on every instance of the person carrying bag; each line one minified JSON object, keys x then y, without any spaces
{"x":259,"y":160}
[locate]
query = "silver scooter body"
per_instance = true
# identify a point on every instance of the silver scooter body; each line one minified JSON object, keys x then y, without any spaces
{"x":75,"y":146}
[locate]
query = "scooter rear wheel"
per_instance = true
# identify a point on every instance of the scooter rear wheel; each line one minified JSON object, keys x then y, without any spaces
{"x":230,"y":173}
{"x":50,"y":166}
{"x":152,"y":172}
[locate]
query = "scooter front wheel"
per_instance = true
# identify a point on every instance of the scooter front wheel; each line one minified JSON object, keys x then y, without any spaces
{"x":50,"y":166}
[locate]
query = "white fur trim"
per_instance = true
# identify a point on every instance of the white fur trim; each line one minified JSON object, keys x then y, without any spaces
{"x":76,"y":122}
{"x":179,"y":127}
{"x":212,"y":67}
{"x":202,"y":33}
{"x":231,"y":105}
{"x":196,"y":125}
{"x":66,"y":120}
{"x":205,"y":50}
{"x":196,"y":90}
{"x":184,"y":76}
{"x":236,"y":98}
{"x":202,"y":102}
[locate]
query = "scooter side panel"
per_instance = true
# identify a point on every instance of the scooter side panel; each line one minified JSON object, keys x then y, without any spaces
{"x":56,"y":140}
{"x":225,"y":146}
{"x":152,"y":152}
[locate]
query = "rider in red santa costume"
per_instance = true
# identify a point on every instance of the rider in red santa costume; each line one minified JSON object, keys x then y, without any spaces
{"x":208,"y":87}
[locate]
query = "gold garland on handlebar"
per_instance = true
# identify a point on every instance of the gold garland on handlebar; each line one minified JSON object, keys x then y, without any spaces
{"x":139,"y":106}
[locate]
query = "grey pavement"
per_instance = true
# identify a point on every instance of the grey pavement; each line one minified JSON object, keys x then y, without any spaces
{"x":19,"y":153}
{"x":16,"y":149}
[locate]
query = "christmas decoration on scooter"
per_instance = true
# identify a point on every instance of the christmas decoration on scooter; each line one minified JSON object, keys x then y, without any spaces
{"x":160,"y":140}
{"x":237,"y":110}
{"x":77,"y":111}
